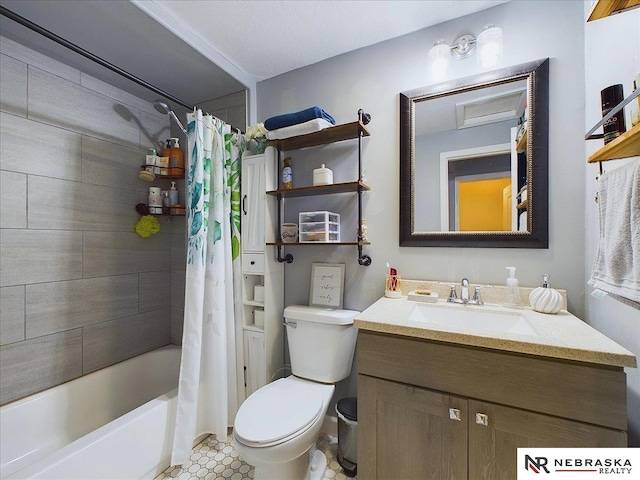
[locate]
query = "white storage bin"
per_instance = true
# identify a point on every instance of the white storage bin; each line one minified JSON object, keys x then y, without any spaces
{"x":320,"y":226}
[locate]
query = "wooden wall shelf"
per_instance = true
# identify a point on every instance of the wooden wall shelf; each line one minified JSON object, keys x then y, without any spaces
{"x":337,"y":133}
{"x":348,"y":187}
{"x":605,"y":8}
{"x":282,"y":244}
{"x":626,"y":145}
{"x":521,"y":146}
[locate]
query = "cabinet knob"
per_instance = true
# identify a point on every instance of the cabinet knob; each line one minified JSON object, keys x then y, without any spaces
{"x":482,"y":419}
{"x":253,"y":262}
{"x":454,"y":414}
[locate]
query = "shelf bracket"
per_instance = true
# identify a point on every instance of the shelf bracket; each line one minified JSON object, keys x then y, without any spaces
{"x":288,"y":258}
{"x":364,"y":260}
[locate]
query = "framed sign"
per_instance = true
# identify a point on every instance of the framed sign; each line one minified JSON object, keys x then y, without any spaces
{"x":327,"y":285}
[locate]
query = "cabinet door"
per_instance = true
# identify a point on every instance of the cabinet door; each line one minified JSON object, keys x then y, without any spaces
{"x":254,"y":361}
{"x":407,"y":432}
{"x":253,"y":203}
{"x":492,"y":447}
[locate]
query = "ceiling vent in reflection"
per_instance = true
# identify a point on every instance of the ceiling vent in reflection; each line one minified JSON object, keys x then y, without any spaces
{"x":495,"y":108}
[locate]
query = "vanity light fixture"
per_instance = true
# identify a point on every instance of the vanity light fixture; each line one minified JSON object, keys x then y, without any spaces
{"x":488,"y":44}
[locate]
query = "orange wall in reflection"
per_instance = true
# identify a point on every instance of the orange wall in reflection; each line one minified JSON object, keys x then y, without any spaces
{"x":480,"y":205}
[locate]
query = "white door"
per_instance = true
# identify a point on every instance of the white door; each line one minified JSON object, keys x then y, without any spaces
{"x":254,"y":361}
{"x":253,"y":203}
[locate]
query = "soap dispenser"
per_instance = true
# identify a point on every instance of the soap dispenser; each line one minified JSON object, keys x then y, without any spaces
{"x":545,"y":299}
{"x":513,"y":290}
{"x":176,"y":159}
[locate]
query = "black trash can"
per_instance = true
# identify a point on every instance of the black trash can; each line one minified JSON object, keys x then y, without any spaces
{"x":347,"y":410}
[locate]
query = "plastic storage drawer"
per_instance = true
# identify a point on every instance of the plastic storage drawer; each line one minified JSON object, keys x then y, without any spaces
{"x":320,"y":226}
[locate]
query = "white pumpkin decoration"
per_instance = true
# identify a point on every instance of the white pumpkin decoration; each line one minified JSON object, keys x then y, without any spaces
{"x":545,"y":299}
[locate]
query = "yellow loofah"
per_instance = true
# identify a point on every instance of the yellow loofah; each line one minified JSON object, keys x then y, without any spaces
{"x":147,"y":226}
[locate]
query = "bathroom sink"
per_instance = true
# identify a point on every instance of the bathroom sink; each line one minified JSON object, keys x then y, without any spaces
{"x":470,"y":319}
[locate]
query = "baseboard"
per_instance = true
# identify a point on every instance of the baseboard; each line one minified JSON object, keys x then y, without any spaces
{"x":330,"y":425}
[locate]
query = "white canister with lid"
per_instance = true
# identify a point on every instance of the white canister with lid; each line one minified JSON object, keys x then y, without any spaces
{"x":322,"y":176}
{"x":155,"y":197}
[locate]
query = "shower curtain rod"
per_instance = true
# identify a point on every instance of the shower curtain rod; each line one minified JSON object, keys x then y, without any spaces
{"x":81,"y":51}
{"x":72,"y":46}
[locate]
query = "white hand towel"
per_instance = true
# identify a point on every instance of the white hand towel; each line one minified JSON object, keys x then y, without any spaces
{"x":303,"y":128}
{"x":616,"y":268}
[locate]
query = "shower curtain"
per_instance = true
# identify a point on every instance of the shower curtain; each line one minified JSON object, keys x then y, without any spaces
{"x":207,"y":390}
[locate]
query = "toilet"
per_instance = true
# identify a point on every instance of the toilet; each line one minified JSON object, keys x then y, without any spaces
{"x":277,"y":426}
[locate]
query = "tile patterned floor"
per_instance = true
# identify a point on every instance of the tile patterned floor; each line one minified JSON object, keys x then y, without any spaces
{"x":215,"y":460}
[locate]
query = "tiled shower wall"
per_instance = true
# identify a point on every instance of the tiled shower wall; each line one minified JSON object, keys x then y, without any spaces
{"x":79,"y":290}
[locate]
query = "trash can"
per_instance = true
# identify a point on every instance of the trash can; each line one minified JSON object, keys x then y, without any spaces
{"x":347,"y":410}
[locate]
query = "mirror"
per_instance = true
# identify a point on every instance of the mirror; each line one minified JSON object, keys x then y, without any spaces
{"x":474,"y":160}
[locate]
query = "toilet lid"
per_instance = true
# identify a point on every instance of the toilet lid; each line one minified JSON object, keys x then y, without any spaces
{"x":277,"y":411}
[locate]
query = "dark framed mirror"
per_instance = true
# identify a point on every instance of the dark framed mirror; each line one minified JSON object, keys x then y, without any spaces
{"x":474,"y":160}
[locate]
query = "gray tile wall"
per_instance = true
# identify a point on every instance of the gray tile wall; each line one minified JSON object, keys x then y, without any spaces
{"x":79,"y":290}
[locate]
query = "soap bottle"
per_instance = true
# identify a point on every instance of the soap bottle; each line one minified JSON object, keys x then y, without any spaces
{"x":166,"y":153}
{"x":176,"y":159}
{"x":287,"y":175}
{"x":167,"y":149}
{"x":173,"y":194}
{"x":513,"y":290}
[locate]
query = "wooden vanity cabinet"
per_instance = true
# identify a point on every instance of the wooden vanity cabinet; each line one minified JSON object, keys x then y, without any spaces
{"x":429,"y":410}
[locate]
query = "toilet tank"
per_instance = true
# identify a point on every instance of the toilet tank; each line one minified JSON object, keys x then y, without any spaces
{"x":321,"y":341}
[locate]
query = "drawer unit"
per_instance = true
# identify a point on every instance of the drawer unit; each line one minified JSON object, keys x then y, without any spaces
{"x":253,"y":262}
{"x":320,"y":226}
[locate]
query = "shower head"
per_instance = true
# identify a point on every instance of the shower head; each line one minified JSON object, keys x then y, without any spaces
{"x":163,"y":108}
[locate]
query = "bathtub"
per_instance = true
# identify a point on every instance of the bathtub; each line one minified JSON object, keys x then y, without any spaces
{"x":116,"y":423}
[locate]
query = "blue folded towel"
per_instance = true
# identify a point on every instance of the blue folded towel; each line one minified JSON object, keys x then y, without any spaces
{"x":288,"y":119}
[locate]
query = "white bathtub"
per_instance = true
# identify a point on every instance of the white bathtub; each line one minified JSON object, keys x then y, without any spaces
{"x":116,"y":423}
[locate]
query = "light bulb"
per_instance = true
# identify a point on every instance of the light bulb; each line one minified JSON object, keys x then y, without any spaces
{"x":489,"y":45}
{"x":438,"y":60}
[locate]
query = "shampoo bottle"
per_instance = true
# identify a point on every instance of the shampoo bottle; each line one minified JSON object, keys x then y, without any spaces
{"x":513,"y":290}
{"x":173,"y":194}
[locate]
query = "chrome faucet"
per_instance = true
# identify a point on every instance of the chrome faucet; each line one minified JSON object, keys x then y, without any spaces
{"x":464,"y":290}
{"x":464,"y":294}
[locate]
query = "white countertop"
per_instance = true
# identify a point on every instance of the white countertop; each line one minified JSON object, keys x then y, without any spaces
{"x":561,"y":336}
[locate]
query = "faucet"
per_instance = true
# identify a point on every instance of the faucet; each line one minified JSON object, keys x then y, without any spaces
{"x":464,"y":294}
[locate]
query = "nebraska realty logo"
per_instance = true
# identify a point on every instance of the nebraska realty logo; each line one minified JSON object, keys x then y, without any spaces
{"x":583,"y":463}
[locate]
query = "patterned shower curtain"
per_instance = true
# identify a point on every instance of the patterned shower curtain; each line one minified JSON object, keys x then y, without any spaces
{"x":207,"y":390}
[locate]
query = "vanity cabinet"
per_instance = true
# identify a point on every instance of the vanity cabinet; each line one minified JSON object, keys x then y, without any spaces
{"x":337,"y":133}
{"x":428,"y":409}
{"x":492,"y":447}
{"x":405,"y":432}
{"x":260,"y":335}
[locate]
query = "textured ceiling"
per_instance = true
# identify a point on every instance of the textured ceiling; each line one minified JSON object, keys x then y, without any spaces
{"x":267,"y":38}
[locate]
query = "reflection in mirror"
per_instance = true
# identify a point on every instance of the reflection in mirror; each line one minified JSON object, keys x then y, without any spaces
{"x":473,"y":159}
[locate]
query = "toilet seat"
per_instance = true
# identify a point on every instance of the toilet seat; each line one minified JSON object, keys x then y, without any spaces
{"x":278,"y":412}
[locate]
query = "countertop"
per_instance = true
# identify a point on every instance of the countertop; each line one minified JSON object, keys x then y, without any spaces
{"x":561,"y":336}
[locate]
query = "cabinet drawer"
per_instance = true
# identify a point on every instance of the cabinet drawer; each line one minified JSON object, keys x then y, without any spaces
{"x":253,"y":262}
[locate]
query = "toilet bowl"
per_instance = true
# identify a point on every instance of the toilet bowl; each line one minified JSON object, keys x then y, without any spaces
{"x":277,"y":426}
